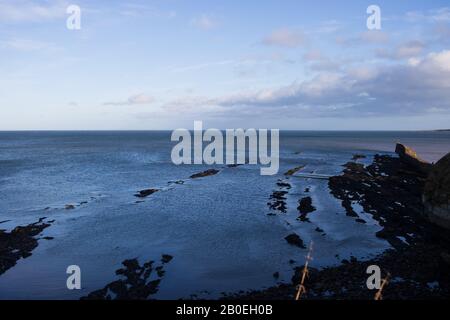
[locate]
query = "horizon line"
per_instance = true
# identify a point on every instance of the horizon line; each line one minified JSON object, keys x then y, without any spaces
{"x":162,"y":130}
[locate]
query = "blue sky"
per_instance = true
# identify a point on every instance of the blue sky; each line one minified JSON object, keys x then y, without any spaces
{"x":146,"y":65}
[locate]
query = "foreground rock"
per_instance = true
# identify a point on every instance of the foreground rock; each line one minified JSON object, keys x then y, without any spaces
{"x":19,"y":243}
{"x":206,"y":173}
{"x":390,"y":190}
{"x":136,"y":283}
{"x":436,"y":196}
{"x":413,"y":276}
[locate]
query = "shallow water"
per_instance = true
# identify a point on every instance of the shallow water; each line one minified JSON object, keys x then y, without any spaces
{"x":217,"y":227}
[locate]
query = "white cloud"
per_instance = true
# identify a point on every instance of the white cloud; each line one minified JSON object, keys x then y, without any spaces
{"x":329,"y":26}
{"x":28,"y":11}
{"x":367,"y":37}
{"x":313,"y":55}
{"x":405,"y":50}
{"x":401,"y":89}
{"x":285,"y":38}
{"x":143,"y":10}
{"x":374,"y":36}
{"x":442,"y":33}
{"x":202,"y":66}
{"x":138,"y":99}
{"x":27,"y":45}
{"x":204,"y":22}
{"x":434,"y":15}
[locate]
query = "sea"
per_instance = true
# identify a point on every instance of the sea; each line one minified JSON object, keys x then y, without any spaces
{"x":219,"y":229}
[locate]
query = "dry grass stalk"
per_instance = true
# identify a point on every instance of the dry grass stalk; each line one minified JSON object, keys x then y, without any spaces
{"x":384,"y":282}
{"x":301,"y":288}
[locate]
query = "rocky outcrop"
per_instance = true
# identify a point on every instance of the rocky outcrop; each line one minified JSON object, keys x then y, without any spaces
{"x":436,"y":196}
{"x":293,"y":171}
{"x":137,"y":281}
{"x":295,"y":240}
{"x":408,"y":156}
{"x":206,"y":173}
{"x":145,"y":193}
{"x":358,"y":156}
{"x":19,"y":243}
{"x":390,"y":191}
{"x":304,"y":207}
{"x":278,"y":201}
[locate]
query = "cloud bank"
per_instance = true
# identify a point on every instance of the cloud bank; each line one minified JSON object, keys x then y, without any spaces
{"x":419,"y":86}
{"x":137,"y":99}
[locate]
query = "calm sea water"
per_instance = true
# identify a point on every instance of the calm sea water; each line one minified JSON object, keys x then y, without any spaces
{"x":217,"y":228}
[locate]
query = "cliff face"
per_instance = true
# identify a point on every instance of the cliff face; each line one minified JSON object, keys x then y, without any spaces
{"x":436,"y":197}
{"x":436,"y":194}
{"x":410,"y":157}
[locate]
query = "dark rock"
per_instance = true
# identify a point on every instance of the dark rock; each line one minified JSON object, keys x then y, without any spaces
{"x":19,"y":243}
{"x":146,"y":193}
{"x":410,"y":157}
{"x":358,"y":156}
{"x":285,"y":185}
{"x":378,"y":188}
{"x":69,"y":207}
{"x":436,"y":195}
{"x":295,"y":240}
{"x":293,"y":171}
{"x":160,"y":271}
{"x":347,"y":204}
{"x":276,"y":275}
{"x":278,"y":197}
{"x":206,"y":173}
{"x":446,"y":257}
{"x":305,"y":205}
{"x":278,"y":201}
{"x":166,"y":258}
{"x":135,"y":284}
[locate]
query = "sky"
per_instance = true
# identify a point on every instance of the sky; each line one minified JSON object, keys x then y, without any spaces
{"x":286,"y":64}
